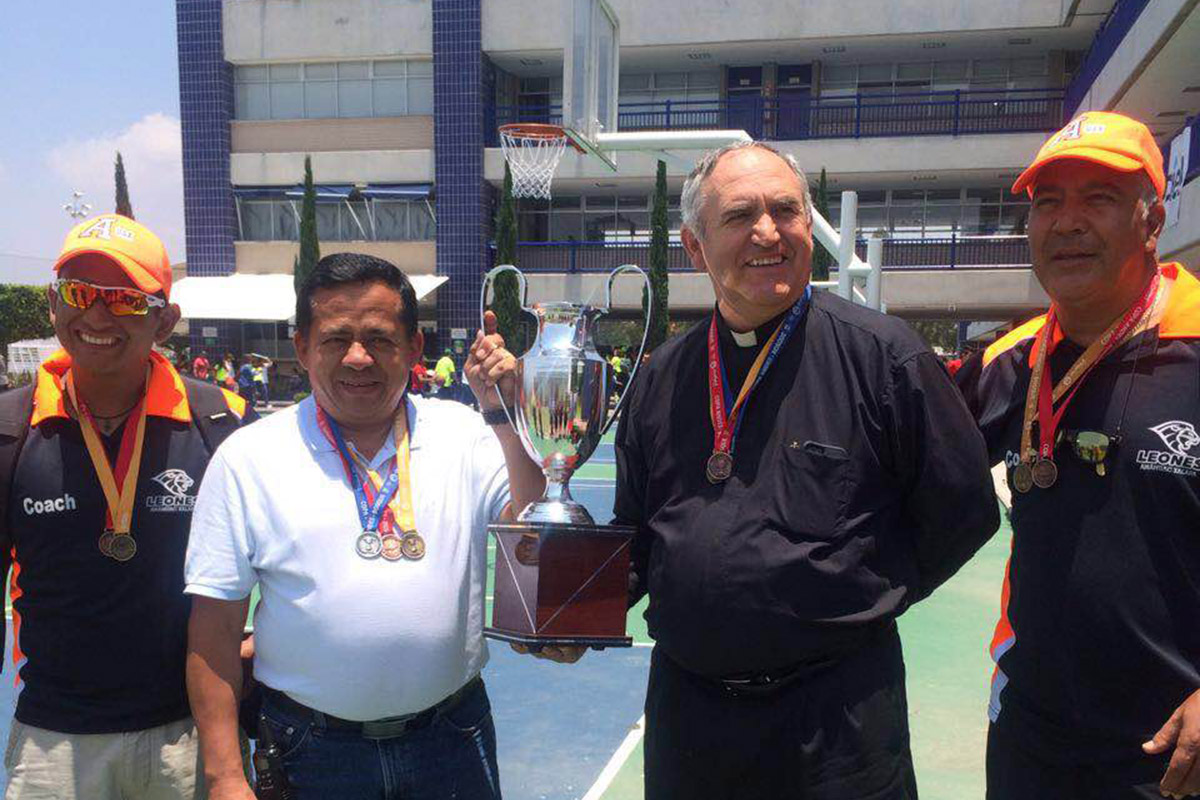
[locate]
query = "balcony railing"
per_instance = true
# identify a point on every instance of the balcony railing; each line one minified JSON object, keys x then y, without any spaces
{"x":1112,"y":31}
{"x":797,"y":117}
{"x":950,"y":252}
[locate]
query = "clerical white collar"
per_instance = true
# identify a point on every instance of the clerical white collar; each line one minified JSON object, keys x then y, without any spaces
{"x":747,"y":339}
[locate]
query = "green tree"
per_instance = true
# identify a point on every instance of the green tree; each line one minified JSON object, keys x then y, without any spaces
{"x":24,"y":314}
{"x":506,"y":289}
{"x":822,"y":259}
{"x":310,"y":249}
{"x":941,"y":334}
{"x":659,"y":242}
{"x":124,"y":208}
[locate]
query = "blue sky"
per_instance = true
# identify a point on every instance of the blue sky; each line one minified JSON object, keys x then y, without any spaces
{"x":81,"y":81}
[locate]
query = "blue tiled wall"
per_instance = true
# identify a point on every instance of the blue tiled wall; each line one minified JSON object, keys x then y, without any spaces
{"x":458,"y":107}
{"x":205,"y":107}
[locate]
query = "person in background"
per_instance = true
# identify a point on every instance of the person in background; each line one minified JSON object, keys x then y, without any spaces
{"x":444,"y":374}
{"x":245,"y":379}
{"x":200,"y":366}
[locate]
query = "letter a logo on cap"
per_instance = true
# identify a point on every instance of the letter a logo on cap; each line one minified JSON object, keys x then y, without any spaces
{"x":100,"y":229}
{"x":1072,"y":131}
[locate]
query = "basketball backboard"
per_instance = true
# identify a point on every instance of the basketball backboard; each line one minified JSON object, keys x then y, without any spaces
{"x":591,"y":73}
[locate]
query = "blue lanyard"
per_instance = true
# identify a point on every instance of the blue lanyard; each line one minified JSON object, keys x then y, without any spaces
{"x":786,"y":328}
{"x":368,"y":513}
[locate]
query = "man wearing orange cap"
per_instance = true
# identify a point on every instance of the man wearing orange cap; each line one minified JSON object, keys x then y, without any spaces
{"x":99,"y":464}
{"x":1094,"y":407}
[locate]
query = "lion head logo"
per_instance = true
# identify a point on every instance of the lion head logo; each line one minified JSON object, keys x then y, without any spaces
{"x":177,"y":482}
{"x":1178,"y":436}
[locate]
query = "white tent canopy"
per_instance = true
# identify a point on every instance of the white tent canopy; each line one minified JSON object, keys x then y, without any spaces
{"x":255,"y":297}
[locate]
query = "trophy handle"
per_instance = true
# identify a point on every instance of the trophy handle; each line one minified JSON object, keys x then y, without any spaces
{"x":487,"y":282}
{"x":637,"y":364}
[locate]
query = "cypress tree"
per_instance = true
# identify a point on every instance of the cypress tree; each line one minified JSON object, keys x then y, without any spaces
{"x":822,"y":259}
{"x":310,"y":249}
{"x":659,"y":242}
{"x":124,"y":208}
{"x":506,"y":291}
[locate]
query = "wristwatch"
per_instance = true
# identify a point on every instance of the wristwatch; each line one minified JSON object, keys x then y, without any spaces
{"x":499,"y":416}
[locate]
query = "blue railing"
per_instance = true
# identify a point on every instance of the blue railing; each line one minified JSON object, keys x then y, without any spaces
{"x":797,"y":117}
{"x":949,"y":252}
{"x":1112,"y":31}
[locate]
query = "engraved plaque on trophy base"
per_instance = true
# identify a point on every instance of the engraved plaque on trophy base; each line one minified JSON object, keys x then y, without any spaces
{"x":560,"y":584}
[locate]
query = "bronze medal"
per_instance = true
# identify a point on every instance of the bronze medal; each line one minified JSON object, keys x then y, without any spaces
{"x":1045,"y":473}
{"x":412,"y":545}
{"x":1022,"y":479}
{"x":123,"y":547}
{"x":105,"y":543}
{"x":393,"y":547}
{"x":719,"y":467}
{"x":368,"y":545}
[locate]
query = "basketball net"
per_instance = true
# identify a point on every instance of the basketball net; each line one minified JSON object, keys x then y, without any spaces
{"x":532,"y":152}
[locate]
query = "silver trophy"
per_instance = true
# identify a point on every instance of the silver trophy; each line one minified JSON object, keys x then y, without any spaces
{"x":560,"y":578}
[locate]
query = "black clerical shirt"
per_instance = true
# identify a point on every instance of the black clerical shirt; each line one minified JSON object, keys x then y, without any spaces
{"x":860,"y":483}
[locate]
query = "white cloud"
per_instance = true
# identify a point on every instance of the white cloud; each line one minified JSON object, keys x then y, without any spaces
{"x":152,"y":151}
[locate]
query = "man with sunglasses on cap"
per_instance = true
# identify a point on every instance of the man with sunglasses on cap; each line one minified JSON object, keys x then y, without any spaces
{"x":100,"y":461}
{"x":1093,"y":407}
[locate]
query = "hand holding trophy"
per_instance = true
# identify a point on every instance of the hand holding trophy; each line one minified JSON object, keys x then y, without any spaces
{"x":560,"y":579}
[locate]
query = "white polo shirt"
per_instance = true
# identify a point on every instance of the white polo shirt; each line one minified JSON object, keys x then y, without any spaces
{"x":359,"y":639}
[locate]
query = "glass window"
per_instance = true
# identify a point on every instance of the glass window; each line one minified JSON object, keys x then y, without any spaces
{"x":991,"y":68}
{"x":391,"y":220}
{"x":419,"y":69}
{"x":352,"y":70}
{"x":908,"y":197}
{"x":1028,"y":67}
{"x":1013,"y":219}
{"x":389,"y":97}
{"x":252,"y":101}
{"x":286,"y":228}
{"x":353,"y":221}
{"x":708,"y":79}
{"x":287,"y":100}
{"x":942,"y":195}
{"x":420,"y":95}
{"x":636,"y":202}
{"x":566,"y":226}
{"x":327,"y":222}
{"x":285,"y":72}
{"x":950,"y":72}
{"x":913,"y":72}
{"x":670,"y":80}
{"x":567,"y":201}
{"x":251,"y":74}
{"x":421,"y":227}
{"x":393,"y":69}
{"x":320,"y":72}
{"x":320,"y":99}
{"x":256,"y":220}
{"x":840,"y":74}
{"x":597,"y":226}
{"x":874,"y":74}
{"x":354,"y":98}
{"x":600,"y":202}
{"x":942,"y":220}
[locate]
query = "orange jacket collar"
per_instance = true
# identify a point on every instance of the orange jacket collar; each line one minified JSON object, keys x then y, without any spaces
{"x":165,"y":395}
{"x":1179,"y":320}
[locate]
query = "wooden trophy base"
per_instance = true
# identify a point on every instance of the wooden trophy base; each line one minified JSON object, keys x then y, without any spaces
{"x":561,"y":584}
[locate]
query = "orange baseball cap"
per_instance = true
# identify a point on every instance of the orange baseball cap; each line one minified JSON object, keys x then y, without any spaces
{"x":130,"y":245}
{"x":1113,"y":140}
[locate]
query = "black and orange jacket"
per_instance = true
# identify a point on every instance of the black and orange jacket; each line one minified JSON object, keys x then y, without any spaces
{"x":100,"y":645}
{"x":1099,"y":635}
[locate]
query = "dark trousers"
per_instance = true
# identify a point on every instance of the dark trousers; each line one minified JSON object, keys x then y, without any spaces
{"x":839,"y":733}
{"x":1022,"y":765}
{"x":454,"y":755}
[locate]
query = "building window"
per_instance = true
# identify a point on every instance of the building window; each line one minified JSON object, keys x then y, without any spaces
{"x":608,"y":219}
{"x":920,"y":76}
{"x":937,"y":213}
{"x":337,"y":220}
{"x":344,"y":89}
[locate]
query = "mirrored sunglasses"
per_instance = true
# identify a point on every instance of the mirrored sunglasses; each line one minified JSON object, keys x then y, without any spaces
{"x":121,"y":301}
{"x":1090,"y":447}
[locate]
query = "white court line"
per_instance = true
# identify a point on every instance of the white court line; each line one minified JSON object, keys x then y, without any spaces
{"x":609,"y":773}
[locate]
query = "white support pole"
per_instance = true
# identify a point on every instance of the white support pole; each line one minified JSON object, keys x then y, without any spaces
{"x":847,"y":228}
{"x":875,"y":278}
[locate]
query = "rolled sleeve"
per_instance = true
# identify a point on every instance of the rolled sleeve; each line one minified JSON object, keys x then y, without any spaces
{"x":951,"y":498}
{"x":218,"y":563}
{"x":490,"y":473}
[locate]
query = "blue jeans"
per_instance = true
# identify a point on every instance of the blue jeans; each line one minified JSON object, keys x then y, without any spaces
{"x":454,"y":756}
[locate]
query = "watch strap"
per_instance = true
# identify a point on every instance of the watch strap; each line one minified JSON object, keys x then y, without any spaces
{"x":499,"y":416}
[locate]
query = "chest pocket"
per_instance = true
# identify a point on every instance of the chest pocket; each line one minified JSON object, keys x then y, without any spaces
{"x":809,"y":490}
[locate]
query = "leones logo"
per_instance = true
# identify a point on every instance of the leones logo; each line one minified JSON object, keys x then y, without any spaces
{"x":176,"y":482}
{"x":1180,"y":437}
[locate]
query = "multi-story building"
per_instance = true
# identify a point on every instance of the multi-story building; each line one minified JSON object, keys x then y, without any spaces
{"x":927,"y":108}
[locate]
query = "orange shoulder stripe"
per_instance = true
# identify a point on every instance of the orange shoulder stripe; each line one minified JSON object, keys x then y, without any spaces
{"x":1013,"y":338}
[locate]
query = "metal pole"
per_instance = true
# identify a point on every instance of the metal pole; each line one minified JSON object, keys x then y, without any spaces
{"x":847,"y":228}
{"x":875,"y":278}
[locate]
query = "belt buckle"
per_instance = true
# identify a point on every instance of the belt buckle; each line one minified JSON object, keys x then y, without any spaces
{"x":388,"y":728}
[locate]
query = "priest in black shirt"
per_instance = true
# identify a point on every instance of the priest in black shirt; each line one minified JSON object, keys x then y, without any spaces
{"x":800,"y":470}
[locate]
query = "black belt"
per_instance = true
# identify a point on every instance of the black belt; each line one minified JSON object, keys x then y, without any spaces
{"x":386,"y":728}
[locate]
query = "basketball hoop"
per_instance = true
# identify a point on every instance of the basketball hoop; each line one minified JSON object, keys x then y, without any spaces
{"x":532,"y":151}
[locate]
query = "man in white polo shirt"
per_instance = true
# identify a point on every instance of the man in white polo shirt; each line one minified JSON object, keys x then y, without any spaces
{"x":361,"y":515}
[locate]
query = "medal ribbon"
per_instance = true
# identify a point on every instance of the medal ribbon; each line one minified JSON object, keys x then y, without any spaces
{"x":1039,"y":387}
{"x":400,"y":509}
{"x":726,"y":425}
{"x":119,"y":516}
{"x":369,"y":510}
